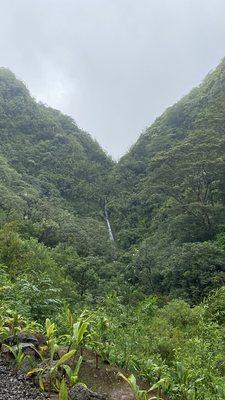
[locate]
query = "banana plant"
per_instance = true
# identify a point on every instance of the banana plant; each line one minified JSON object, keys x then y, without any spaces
{"x":79,"y":330}
{"x":50,"y":328}
{"x":66,"y":357}
{"x":18,"y":354}
{"x":98,"y":339}
{"x":163,"y":384}
{"x":152,"y":371}
{"x":139,"y":394}
{"x":63,"y":390}
{"x":14,"y":321}
{"x":52,"y":346}
{"x":4,"y":332}
{"x":73,"y":373}
{"x":51,"y":370}
{"x":185,"y":383}
{"x":70,"y":319}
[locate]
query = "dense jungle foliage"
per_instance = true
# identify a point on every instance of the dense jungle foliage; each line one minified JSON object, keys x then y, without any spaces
{"x":168,"y":205}
{"x":156,"y":295}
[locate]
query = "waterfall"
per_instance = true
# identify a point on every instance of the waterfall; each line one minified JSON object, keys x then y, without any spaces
{"x":108,"y":223}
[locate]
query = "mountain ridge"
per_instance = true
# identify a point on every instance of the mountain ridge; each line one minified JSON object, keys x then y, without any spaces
{"x":202,"y":109}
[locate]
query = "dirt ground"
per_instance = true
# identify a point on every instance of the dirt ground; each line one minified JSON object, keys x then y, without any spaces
{"x":102,"y":380}
{"x":105,"y":379}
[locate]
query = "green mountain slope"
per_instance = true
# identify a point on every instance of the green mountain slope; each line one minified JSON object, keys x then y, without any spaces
{"x":53,"y":182}
{"x":49,"y":165}
{"x":169,"y":205}
{"x":49,"y":150}
{"x":165,"y":198}
{"x":198,"y":117}
{"x":153,"y":301}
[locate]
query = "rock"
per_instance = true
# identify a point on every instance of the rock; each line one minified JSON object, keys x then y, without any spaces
{"x":22,"y":337}
{"x":80,"y":392}
{"x":15,"y":386}
{"x":27,"y":348}
{"x":27,"y":342}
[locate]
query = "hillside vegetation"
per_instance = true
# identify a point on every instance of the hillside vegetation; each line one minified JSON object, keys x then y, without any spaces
{"x":153,"y":301}
{"x":169,"y":206}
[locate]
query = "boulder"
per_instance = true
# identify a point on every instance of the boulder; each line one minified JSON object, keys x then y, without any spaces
{"x":80,"y":392}
{"x":22,"y":337}
{"x":27,"y":348}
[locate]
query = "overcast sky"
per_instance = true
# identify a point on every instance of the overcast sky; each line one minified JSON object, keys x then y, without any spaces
{"x":113,"y":65}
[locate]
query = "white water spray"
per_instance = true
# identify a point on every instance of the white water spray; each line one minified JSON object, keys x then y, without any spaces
{"x":111,"y":237}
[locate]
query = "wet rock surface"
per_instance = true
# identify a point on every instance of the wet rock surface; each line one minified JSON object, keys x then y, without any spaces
{"x":15,"y":386}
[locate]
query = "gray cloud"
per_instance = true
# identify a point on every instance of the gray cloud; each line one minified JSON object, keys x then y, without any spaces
{"x":113,"y":65}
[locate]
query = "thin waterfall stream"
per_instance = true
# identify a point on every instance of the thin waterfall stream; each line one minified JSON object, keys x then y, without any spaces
{"x":111,"y":237}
